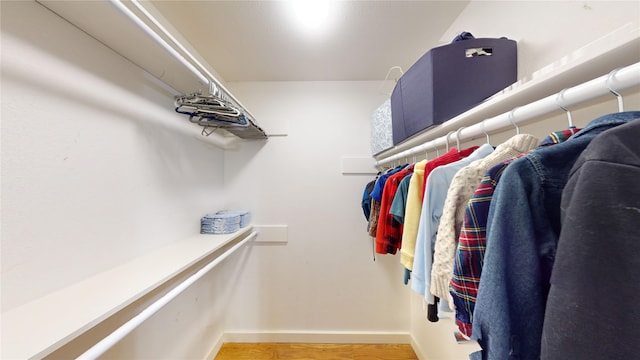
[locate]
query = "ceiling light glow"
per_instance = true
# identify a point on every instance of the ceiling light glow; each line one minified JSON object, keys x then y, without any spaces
{"x":312,"y":16}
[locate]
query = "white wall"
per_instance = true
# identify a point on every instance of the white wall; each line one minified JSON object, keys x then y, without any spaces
{"x":93,"y":174}
{"x":324,"y":279}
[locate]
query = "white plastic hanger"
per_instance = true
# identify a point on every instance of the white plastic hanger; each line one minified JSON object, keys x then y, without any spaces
{"x":617,"y":94}
{"x":450,"y":132}
{"x":458,"y":137}
{"x":558,"y":101}
{"x":484,"y":131}
{"x":513,"y":120}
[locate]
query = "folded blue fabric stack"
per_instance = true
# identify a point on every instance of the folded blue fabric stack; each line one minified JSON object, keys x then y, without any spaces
{"x":245,"y":216}
{"x":226,"y":223}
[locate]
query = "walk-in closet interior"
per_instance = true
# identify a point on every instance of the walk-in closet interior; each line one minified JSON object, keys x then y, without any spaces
{"x":181,"y":174}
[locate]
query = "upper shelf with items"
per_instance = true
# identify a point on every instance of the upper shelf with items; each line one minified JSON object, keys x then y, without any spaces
{"x":138,"y":33}
{"x":618,"y":49}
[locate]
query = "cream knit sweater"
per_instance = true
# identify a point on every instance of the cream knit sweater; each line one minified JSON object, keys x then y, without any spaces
{"x":462,"y":188}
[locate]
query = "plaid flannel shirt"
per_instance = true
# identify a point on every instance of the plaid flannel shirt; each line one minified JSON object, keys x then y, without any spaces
{"x":473,"y":239}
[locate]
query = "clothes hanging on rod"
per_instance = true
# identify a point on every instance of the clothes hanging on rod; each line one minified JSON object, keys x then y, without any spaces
{"x":523,"y":194}
{"x":366,"y":199}
{"x":472,"y":238}
{"x":412,"y":213}
{"x":492,"y":250}
{"x":451,"y":156}
{"x":599,"y":223}
{"x":415,"y":196}
{"x":377,"y":188}
{"x":430,"y":213}
{"x":429,"y":217}
{"x":509,"y":312}
{"x":390,"y":229}
{"x":376,"y":199}
{"x":460,"y":191}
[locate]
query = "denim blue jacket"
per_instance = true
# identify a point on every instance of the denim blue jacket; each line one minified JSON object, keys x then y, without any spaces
{"x":522,"y":234}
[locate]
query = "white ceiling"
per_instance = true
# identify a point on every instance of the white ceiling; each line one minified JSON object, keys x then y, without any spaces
{"x":255,"y":40}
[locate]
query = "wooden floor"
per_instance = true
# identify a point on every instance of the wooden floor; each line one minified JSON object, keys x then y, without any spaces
{"x":273,"y":351}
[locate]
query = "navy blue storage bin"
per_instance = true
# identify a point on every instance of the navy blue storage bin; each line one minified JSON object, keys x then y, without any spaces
{"x":449,"y":80}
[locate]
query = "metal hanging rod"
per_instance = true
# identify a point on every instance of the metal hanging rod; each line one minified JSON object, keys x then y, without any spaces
{"x":158,"y":39}
{"x":618,"y":79}
{"x":125,"y":329}
{"x":215,"y":87}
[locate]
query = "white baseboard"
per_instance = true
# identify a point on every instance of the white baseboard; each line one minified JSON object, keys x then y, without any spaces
{"x":335,"y":337}
{"x":417,"y":349}
{"x":216,"y":347}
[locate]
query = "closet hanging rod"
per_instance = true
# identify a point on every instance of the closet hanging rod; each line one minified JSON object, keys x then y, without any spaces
{"x":144,"y":27}
{"x":120,"y":333}
{"x":207,"y":80}
{"x":619,"y":79}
